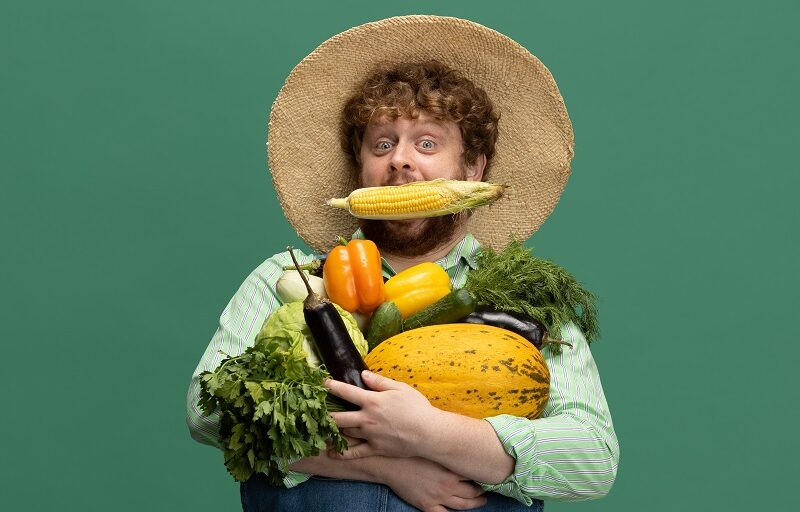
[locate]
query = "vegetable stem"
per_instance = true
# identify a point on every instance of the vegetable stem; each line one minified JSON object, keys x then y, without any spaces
{"x":313,"y":299}
{"x":548,"y":341}
{"x":311,"y":266}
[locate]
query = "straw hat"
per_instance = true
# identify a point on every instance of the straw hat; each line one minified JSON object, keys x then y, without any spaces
{"x":534,"y":147}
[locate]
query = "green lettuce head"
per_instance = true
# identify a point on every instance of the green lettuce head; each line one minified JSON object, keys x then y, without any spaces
{"x":288,"y":325}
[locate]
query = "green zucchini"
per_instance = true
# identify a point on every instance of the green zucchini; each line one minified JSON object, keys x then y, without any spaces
{"x":451,"y":308}
{"x":386,"y":322}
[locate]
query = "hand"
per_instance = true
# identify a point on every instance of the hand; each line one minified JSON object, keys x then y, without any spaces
{"x":392,"y":420}
{"x":420,"y":482}
{"x":431,"y":487}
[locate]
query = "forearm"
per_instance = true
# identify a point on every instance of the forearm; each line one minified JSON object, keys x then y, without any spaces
{"x":467,"y":446}
{"x":368,"y":469}
{"x":420,"y":482}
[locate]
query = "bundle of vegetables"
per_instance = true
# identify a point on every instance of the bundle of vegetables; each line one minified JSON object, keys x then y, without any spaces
{"x":271,"y":399}
{"x":475,"y":351}
{"x":272,"y":402}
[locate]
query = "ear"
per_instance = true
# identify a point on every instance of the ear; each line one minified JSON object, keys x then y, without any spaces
{"x":475,"y":171}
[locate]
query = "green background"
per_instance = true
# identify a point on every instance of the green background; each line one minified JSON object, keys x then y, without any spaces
{"x":135,"y":198}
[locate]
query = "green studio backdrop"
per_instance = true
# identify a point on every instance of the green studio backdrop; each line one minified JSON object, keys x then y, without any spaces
{"x":135,"y":198}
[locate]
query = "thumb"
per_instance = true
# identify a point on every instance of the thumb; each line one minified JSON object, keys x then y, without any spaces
{"x":379,"y":382}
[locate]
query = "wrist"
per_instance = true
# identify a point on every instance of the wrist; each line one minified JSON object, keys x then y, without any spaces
{"x":382,"y":470}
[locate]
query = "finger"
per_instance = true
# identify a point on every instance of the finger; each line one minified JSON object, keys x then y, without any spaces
{"x":351,"y":442}
{"x":468,"y":490}
{"x":353,"y":434}
{"x":356,"y":452}
{"x":347,"y":419}
{"x":457,"y":503}
{"x":352,"y":394}
{"x":378,"y":382}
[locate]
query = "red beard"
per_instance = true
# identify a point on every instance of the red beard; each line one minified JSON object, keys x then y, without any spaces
{"x":412,"y":238}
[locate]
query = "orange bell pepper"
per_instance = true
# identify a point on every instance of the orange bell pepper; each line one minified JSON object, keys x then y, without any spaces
{"x":417,"y":287}
{"x":353,"y":278}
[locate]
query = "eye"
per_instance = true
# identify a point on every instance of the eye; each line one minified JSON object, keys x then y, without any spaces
{"x":427,"y":144}
{"x":383,"y":145}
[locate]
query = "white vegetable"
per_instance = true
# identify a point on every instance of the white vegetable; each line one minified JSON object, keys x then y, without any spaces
{"x":290,"y":286}
{"x":361,"y":319}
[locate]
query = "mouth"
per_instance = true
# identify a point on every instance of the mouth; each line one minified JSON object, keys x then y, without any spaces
{"x":397,"y":181}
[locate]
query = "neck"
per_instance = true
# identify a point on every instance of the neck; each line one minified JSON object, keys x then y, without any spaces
{"x":400,"y":263}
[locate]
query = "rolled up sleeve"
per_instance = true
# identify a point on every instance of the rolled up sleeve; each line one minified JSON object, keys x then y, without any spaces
{"x":571,"y":452}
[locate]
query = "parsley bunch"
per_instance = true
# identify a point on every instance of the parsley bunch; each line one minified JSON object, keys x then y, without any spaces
{"x":272,"y":408}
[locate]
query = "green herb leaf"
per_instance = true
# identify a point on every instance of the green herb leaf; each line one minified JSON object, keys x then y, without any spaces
{"x":515,"y":281}
{"x":273,"y":409}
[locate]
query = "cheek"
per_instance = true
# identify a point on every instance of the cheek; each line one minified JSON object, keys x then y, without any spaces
{"x":447,"y":165}
{"x":370,"y":174}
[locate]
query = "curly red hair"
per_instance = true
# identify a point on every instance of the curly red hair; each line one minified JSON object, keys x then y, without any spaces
{"x":407,"y":89}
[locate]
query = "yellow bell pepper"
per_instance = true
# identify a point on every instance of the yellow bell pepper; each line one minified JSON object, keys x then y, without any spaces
{"x":417,"y":287}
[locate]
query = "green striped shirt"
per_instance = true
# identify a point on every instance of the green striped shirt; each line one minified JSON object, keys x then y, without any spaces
{"x":569,"y":453}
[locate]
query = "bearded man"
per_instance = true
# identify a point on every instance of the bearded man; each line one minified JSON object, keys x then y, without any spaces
{"x":421,"y":112}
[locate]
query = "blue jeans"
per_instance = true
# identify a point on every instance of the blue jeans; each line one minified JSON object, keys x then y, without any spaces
{"x":328,"y":495}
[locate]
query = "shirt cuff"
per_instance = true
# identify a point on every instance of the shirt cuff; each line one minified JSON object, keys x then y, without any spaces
{"x":292,"y":478}
{"x":510,"y":487}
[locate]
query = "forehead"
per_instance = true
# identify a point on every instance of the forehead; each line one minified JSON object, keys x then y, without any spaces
{"x":423,"y":121}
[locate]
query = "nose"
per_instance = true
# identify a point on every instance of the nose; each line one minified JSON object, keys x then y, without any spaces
{"x":402,"y":157}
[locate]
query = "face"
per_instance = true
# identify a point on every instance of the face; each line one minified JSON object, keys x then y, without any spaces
{"x":394,"y":152}
{"x":406,"y":150}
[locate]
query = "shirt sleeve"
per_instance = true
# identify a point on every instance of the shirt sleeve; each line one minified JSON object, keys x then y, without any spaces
{"x":240,"y":322}
{"x":571,"y":452}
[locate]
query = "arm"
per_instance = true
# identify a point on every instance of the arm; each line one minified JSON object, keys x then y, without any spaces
{"x":570,"y":453}
{"x":396,"y":420}
{"x":420,"y":482}
{"x":239,"y":323}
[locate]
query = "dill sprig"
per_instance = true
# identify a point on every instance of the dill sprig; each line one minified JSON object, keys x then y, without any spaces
{"x":515,"y":281}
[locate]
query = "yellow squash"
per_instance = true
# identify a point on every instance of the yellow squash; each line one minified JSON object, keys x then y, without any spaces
{"x":469,"y":369}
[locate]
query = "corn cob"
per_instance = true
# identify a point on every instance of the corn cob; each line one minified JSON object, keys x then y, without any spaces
{"x":418,"y":199}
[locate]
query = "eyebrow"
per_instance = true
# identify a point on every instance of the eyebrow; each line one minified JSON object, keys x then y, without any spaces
{"x":423,"y":125}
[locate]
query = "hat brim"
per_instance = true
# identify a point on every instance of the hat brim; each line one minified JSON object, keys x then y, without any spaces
{"x":534,"y":147}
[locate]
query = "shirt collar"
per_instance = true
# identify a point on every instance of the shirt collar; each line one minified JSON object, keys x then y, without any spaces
{"x":466,"y":250}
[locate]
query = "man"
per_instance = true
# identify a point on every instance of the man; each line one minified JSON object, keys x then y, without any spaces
{"x":411,"y":120}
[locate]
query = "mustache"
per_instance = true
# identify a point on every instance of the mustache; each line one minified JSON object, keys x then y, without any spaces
{"x":392,"y":181}
{"x":402,"y":178}
{"x":397,"y":180}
